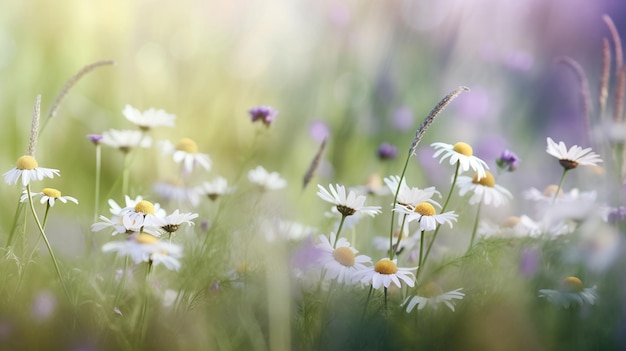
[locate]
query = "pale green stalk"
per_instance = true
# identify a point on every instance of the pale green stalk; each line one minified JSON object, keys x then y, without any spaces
{"x":97,"y":190}
{"x":45,"y":239}
{"x":480,"y":205}
{"x":395,"y":199}
{"x":556,"y":193}
{"x":392,"y":252}
{"x":343,"y":219}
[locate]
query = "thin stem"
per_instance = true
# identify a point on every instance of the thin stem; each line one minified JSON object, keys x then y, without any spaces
{"x":343,"y":219}
{"x":397,"y":247}
{"x":96,"y":206}
{"x":125,"y":175}
{"x":18,"y":212}
{"x":385,"y":290}
{"x":430,"y":245}
{"x":144,"y":308}
{"x":395,"y":200}
{"x":556,"y":193}
{"x":45,"y":239}
{"x":480,"y":205}
{"x":45,"y":216}
{"x":421,"y":259}
{"x":367,"y":301}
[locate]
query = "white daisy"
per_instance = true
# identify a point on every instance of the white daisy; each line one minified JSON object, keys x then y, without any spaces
{"x":346,"y":205}
{"x":484,"y":190}
{"x":510,"y":227}
{"x":125,"y":140}
{"x":341,"y":262}
{"x":143,"y":216}
{"x":215,"y":188}
{"x":186,"y":152}
{"x":267,"y":181}
{"x":424,"y":213}
{"x":277,"y":229}
{"x":49,"y":195}
{"x":546,"y":226}
{"x":574,"y":156}
{"x":571,"y":292}
{"x":28,"y":168}
{"x":373,"y":186}
{"x":410,"y":196}
{"x":116,"y":209}
{"x":172,"y":222}
{"x":431,"y":294}
{"x":147,"y":248}
{"x":385,"y":272}
{"x":149,"y":118}
{"x":463,"y":154}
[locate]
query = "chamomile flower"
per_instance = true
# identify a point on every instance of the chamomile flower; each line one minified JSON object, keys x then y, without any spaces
{"x":274,"y":229}
{"x":266,"y":180}
{"x":148,"y":119}
{"x":147,"y":248}
{"x":130,"y":204}
{"x":348,"y":204}
{"x":484,"y":190}
{"x":172,"y":222}
{"x":408,"y":196}
{"x":125,"y":140}
{"x":186,"y":152}
{"x":424,"y":213}
{"x":140,"y":216}
{"x":385,"y":272}
{"x":215,"y":188}
{"x":432,"y":295}
{"x":49,"y":195}
{"x":28,"y":169}
{"x":341,"y":262}
{"x":463,"y":154}
{"x":573,"y":157}
{"x":572,"y":292}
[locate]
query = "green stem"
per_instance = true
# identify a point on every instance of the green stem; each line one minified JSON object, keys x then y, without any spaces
{"x":480,"y":205}
{"x":144,"y":309}
{"x":445,"y":205}
{"x":367,"y":301}
{"x":421,"y":260}
{"x":397,"y":247}
{"x":343,"y":219}
{"x":395,"y":200}
{"x":18,"y":212}
{"x":556,"y":193}
{"x":97,"y":190}
{"x":385,"y":290}
{"x":45,"y":216}
{"x":45,"y":239}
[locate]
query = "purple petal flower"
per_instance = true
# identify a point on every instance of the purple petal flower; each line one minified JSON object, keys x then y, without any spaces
{"x":508,"y":161}
{"x":387,"y":151}
{"x":265,"y":114}
{"x":95,"y":138}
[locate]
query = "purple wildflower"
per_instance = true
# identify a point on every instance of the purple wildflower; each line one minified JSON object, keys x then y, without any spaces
{"x":387,"y":151}
{"x":508,"y":161}
{"x":95,"y":138}
{"x":265,"y":114}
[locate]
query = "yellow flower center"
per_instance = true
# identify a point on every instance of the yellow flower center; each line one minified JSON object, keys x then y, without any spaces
{"x":145,"y":207}
{"x":187,"y":145}
{"x":431,"y":289}
{"x":344,"y":255}
{"x":511,"y":222}
{"x":144,"y":238}
{"x":26,"y":163}
{"x":425,"y":209}
{"x":487,"y":180}
{"x":572,"y":284}
{"x":53,"y":193}
{"x":550,"y":190}
{"x":463,"y":148}
{"x":385,"y":266}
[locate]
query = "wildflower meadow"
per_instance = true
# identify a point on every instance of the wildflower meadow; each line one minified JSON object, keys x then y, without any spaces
{"x":293,"y":175}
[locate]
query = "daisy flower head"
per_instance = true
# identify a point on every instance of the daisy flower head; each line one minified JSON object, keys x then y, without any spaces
{"x":267,"y":181}
{"x":484,"y":190}
{"x":265,"y":114}
{"x":408,"y":196}
{"x":215,"y":188}
{"x":461,"y":153}
{"x":28,"y":169}
{"x":425,"y":214}
{"x":431,"y":294}
{"x":348,"y":204}
{"x":49,"y":195}
{"x":573,"y":157}
{"x":125,"y":140}
{"x":341,"y":262}
{"x":186,"y":152}
{"x":147,"y":248}
{"x":571,"y":292}
{"x":385,"y":272}
{"x":172,"y":222}
{"x":176,"y":191}
{"x":148,"y":119}
{"x":373,"y":186}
